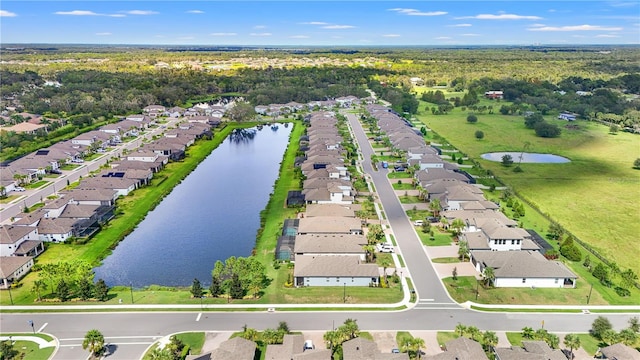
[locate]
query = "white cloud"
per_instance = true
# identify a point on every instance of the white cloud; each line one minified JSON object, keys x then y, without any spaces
{"x":315,"y":23}
{"x":338,"y":27}
{"x":140,"y":12}
{"x":223,"y":34}
{"x":537,"y":25}
{"x":86,"y":13}
{"x":501,"y":16}
{"x":5,"y":13}
{"x":77,"y":13}
{"x":415,"y":12}
{"x":194,"y":12}
{"x":460,"y":25}
{"x":259,"y":27}
{"x":443,"y":38}
{"x":576,"y":28}
{"x":103,"y":33}
{"x":299,"y":36}
{"x":620,"y":4}
{"x":607,"y":36}
{"x":261,"y":34}
{"x":391,"y":35}
{"x":470,"y":34}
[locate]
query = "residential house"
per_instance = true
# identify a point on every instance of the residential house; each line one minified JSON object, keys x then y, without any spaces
{"x":122,"y":185}
{"x":363,"y":349}
{"x":235,"y":348}
{"x":154,"y":108}
{"x":91,"y":196}
{"x":170,"y":147}
{"x":524,"y":269}
{"x":619,"y":351}
{"x":13,"y":237}
{"x":330,"y":244}
{"x":57,"y":230}
{"x":335,"y":270}
{"x":315,"y":210}
{"x":461,"y":348}
{"x":144,"y":155}
{"x":330,"y":225}
{"x":92,"y":139}
{"x":13,"y":268}
{"x":494,"y":94}
{"x":567,"y":116}
{"x":56,"y":207}
{"x":23,"y":128}
{"x":292,"y":348}
{"x":142,"y":165}
{"x":530,"y":350}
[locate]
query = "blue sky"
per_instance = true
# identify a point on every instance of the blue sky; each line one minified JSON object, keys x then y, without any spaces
{"x":365,"y":23}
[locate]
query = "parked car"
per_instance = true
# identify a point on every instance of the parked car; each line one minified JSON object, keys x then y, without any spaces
{"x":19,"y":188}
{"x":395,"y":351}
{"x":308,"y":345}
{"x":385,"y":248}
{"x":433,"y":219}
{"x":418,"y":222}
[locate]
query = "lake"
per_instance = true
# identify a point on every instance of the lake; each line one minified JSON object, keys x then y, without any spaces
{"x":526,"y":157}
{"x":214,"y":213}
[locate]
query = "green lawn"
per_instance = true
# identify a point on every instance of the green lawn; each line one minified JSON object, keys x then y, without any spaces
{"x":9,"y":199}
{"x":598,"y":183}
{"x":36,"y":184}
{"x":69,"y":166}
{"x":399,"y":175}
{"x":418,"y":214}
{"x":403,"y":186}
{"x":439,"y":238}
{"x":515,"y":338}
{"x":409,"y":199}
{"x":29,"y":350}
{"x":194,"y":340}
{"x":464,"y":289}
{"x":445,"y":336}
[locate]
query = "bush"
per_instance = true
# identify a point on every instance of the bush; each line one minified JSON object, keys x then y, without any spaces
{"x":546,"y":130}
{"x":599,"y":326}
{"x":571,"y":252}
{"x":472,"y":119}
{"x":622,"y":291}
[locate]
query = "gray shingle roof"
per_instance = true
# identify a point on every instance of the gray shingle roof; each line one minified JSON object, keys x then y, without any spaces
{"x":334,"y":265}
{"x":522,"y":264}
{"x":330,"y":243}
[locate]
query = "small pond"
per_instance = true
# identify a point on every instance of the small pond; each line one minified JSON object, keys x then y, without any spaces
{"x":527,"y":157}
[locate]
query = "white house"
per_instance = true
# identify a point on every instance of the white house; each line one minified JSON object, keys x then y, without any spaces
{"x":13,"y":268}
{"x":524,"y":269}
{"x":330,"y":244}
{"x":334,"y":270}
{"x":146,"y":156}
{"x":56,"y":230}
{"x":11,"y":237}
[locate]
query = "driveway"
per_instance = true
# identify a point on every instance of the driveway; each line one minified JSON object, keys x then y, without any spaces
{"x":430,"y":341}
{"x":386,"y":340}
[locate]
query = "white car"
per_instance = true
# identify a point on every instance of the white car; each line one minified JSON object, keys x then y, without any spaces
{"x":19,"y":188}
{"x":308,"y":345}
{"x":385,"y":248}
{"x":418,"y":222}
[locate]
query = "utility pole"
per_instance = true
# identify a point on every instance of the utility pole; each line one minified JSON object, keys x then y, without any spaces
{"x":131,"y":290}
{"x":589,"y":296}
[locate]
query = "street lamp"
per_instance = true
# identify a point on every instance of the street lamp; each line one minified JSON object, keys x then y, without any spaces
{"x":10,"y":296}
{"x":32,"y":326}
{"x":131,"y":290}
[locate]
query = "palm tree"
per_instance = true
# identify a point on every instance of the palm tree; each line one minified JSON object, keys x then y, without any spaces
{"x":489,"y":276}
{"x":572,"y":342}
{"x":634,"y":324}
{"x":369,"y":250}
{"x":490,"y":340}
{"x":527,"y":332}
{"x":160,"y":354}
{"x":435,"y":207}
{"x":473,"y":332}
{"x":351,"y":328}
{"x":457,"y":225}
{"x":249,"y":334}
{"x":94,"y":341}
{"x":272,"y":336}
{"x":333,"y":339}
{"x":628,"y":337}
{"x":419,"y":344}
{"x":385,"y":262}
{"x":609,"y":336}
{"x":461,"y":329}
{"x":463,"y":250}
{"x":38,"y":285}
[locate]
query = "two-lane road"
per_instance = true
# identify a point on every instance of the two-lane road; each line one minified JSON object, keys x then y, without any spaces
{"x":429,"y":288}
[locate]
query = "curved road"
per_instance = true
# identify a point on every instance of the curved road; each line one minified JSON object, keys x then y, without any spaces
{"x":130,"y":332}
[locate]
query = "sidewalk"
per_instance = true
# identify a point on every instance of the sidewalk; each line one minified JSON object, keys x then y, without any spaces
{"x":42,"y":343}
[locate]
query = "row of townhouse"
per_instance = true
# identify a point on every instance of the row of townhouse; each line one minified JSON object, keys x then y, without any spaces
{"x":515,"y":254}
{"x":214,"y":112}
{"x":326,"y":242}
{"x":292,"y":107}
{"x":80,"y":212}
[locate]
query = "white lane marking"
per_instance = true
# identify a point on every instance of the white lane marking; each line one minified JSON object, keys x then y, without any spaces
{"x":435,"y":308}
{"x":199,"y":315}
{"x":115,"y":337}
{"x":426,"y":300}
{"x":43,"y":326}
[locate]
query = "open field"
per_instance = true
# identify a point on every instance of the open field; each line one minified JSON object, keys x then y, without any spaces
{"x":594,"y":196}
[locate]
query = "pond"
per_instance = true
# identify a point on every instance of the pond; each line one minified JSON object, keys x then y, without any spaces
{"x":214,"y":213}
{"x":527,"y":157}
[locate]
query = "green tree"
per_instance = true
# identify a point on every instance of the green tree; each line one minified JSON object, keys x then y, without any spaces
{"x":196,"y":289}
{"x":7,"y":352}
{"x":333,"y":339}
{"x":479,"y":134}
{"x":636,"y":164}
{"x":489,"y":340}
{"x":85,"y":289}
{"x":547,"y":130}
{"x":370,"y":251}
{"x":175,"y":347}
{"x":507,"y":160}
{"x":413,"y":346}
{"x":38,"y":286}
{"x":609,"y":336}
{"x":527,"y":333}
{"x":375,"y":234}
{"x":63,"y":290}
{"x":272,"y":336}
{"x":533,"y":119}
{"x":283,"y":327}
{"x":435,"y":207}
{"x":599,"y":326}
{"x":600,"y":272}
{"x":351,"y":328}
{"x":460,"y":329}
{"x":628,"y":337}
{"x":160,"y":354}
{"x":101,"y":290}
{"x":94,"y":342}
{"x":555,"y":231}
{"x":242,"y":111}
{"x":488,"y":276}
{"x":457,"y":225}
{"x":235,"y":287}
{"x":472,"y":119}
{"x":385,"y":262}
{"x":463,"y":250}
{"x":249,"y":334}
{"x":216,"y":286}
{"x":629,"y":278}
{"x":473,"y":332}
{"x":572,"y":342}
{"x":634,"y":324}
